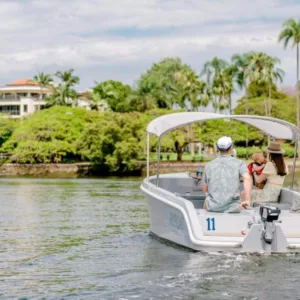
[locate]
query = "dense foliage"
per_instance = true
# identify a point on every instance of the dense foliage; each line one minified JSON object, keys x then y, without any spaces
{"x":115,"y":93}
{"x":66,"y":134}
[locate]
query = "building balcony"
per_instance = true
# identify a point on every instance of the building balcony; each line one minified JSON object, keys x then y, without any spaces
{"x":18,"y":97}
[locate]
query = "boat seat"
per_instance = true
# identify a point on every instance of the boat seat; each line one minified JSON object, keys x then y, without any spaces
{"x":197,"y":199}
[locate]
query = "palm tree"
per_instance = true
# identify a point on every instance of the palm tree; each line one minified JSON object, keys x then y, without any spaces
{"x":241,"y":64}
{"x":272,"y":74}
{"x":64,"y":94}
{"x":44,"y":81}
{"x":219,"y":82}
{"x":223,"y":88}
{"x":67,"y":77}
{"x":262,"y":69}
{"x":213,"y":68}
{"x":291,"y":33}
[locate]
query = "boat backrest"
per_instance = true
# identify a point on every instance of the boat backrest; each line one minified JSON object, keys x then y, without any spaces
{"x":286,"y":196}
{"x":178,"y":185}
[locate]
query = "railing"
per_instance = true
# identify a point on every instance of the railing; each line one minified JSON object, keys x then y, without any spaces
{"x":16,"y":97}
{"x":10,"y":112}
{"x":10,"y":97}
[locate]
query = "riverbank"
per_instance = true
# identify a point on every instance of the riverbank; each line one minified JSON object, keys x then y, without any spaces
{"x":77,"y":170}
{"x":46,"y":170}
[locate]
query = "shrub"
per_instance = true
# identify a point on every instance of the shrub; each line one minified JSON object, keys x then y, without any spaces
{"x":241,"y":151}
{"x":289,"y":150}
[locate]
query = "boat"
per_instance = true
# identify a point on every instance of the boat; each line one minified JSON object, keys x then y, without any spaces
{"x":175,"y":201}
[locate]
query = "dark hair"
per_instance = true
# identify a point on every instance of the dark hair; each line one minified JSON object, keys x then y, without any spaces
{"x":223,"y":150}
{"x":277,"y":159}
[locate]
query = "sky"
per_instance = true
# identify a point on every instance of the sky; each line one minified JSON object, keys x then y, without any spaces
{"x":121,"y":39}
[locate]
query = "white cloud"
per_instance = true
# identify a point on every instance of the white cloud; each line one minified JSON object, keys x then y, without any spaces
{"x":98,"y":36}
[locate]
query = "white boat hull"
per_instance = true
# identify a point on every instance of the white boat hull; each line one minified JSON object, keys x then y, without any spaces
{"x":177,"y":220}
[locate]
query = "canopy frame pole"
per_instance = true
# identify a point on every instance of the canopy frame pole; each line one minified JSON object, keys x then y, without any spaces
{"x":148,"y":155}
{"x":294,"y":164}
{"x":158,"y":160}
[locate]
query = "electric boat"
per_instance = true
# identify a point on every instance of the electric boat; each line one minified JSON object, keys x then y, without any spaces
{"x":175,"y":201}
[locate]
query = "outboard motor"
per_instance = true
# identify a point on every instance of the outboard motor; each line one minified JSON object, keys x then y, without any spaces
{"x":265,"y":234}
{"x":269,"y":215}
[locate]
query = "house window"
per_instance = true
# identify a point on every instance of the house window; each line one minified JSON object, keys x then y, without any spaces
{"x":25,"y":108}
{"x":10,"y":109}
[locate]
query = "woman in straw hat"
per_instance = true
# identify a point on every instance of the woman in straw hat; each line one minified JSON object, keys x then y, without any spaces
{"x":274,"y":172}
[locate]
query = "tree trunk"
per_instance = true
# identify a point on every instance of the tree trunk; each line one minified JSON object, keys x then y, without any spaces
{"x":297,"y":88}
{"x":270,"y":100}
{"x":246,"y":112}
{"x":178,"y":150}
{"x":246,"y":99}
{"x":179,"y":155}
{"x":191,"y":138}
{"x":266,"y":106}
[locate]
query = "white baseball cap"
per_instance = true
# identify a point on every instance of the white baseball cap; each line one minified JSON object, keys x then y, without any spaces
{"x":224,"y":143}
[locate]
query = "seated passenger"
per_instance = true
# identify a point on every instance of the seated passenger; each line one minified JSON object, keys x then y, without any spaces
{"x":257,"y":165}
{"x":221,"y":180}
{"x":274,"y":172}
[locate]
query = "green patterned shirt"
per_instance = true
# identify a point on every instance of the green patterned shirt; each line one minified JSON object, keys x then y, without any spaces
{"x":222,"y":175}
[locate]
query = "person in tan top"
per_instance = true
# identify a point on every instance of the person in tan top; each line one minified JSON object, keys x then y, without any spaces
{"x":274,"y":172}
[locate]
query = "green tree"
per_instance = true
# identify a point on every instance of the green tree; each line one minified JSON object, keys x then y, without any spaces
{"x":160,"y":82}
{"x":291,"y":33}
{"x":189,"y":91}
{"x":64,"y":93}
{"x":94,"y":99}
{"x":115,"y":93}
{"x":283,"y":106}
{"x":241,"y":64}
{"x":7,"y":127}
{"x":140,"y":102}
{"x":223,"y":88}
{"x":272,"y":74}
{"x":50,"y":136}
{"x":44,"y":81}
{"x":212,"y":68}
{"x":67,"y":77}
{"x":262,"y":69}
{"x":219,"y":78}
{"x":118,"y":144}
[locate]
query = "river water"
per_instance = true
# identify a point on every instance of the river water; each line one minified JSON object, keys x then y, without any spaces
{"x":88,"y":239}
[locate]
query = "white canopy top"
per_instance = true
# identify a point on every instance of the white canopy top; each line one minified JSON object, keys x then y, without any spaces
{"x":276,"y":128}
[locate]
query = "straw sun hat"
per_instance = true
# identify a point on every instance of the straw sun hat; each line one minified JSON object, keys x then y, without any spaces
{"x":274,"y":147}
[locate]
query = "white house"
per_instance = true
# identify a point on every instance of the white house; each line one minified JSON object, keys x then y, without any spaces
{"x":26,"y":96}
{"x":22,"y":97}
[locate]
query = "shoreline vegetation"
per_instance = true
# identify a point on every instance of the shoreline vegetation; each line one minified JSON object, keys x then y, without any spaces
{"x":114,"y":141}
{"x":86,"y":170}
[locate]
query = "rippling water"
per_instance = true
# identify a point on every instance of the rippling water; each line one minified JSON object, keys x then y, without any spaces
{"x":88,"y":239}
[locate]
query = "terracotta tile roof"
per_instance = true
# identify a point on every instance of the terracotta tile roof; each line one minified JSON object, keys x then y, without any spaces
{"x":23,"y":82}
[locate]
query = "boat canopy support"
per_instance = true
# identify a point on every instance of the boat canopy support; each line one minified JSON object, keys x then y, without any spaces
{"x":275,"y":128}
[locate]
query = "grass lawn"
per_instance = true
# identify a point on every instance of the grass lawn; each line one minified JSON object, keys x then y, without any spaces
{"x":171,"y":156}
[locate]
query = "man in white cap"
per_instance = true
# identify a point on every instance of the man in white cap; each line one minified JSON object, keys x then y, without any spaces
{"x":221,"y":180}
